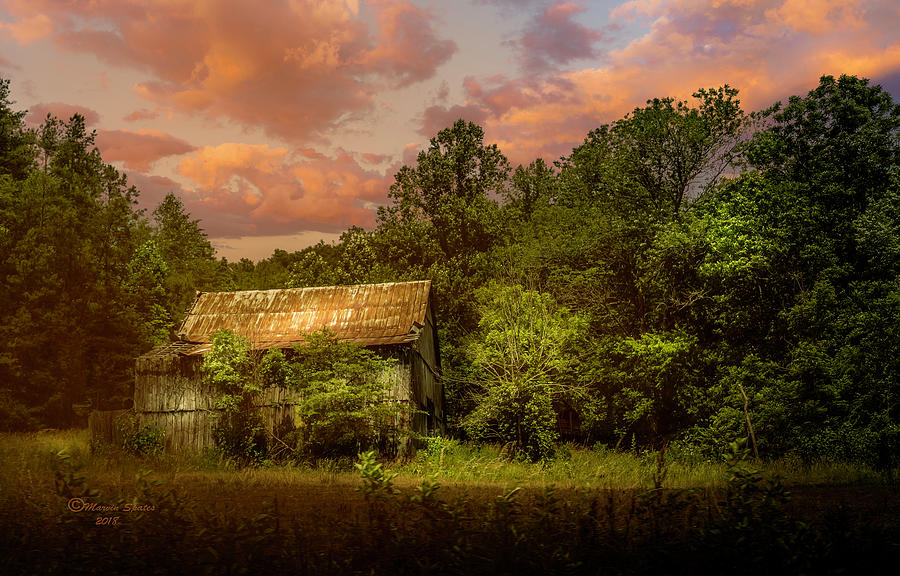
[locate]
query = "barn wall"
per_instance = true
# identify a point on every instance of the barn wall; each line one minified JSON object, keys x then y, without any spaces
{"x":169,"y":393}
{"x":426,"y":370}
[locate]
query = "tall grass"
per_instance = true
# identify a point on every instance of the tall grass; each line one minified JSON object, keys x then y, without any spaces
{"x":458,"y":510}
{"x":28,"y":460}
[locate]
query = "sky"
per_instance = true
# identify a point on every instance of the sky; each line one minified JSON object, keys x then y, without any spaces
{"x":282,"y":123}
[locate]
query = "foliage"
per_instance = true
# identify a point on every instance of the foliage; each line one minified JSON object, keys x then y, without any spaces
{"x":241,"y":374}
{"x":140,"y":440}
{"x":649,"y":161}
{"x":523,"y":361}
{"x":188,"y":255}
{"x":346,"y":399}
{"x":803,"y":276}
{"x":147,"y":273}
{"x":444,"y":217}
{"x":86,"y":283}
{"x":703,"y":305}
{"x":376,"y":480}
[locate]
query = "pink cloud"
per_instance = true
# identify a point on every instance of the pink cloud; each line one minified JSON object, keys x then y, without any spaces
{"x":375,"y":159}
{"x":554,"y":38}
{"x":436,"y":118}
{"x":250,"y":190}
{"x":142,"y":114}
{"x":408,"y":47}
{"x":4,"y":63}
{"x":38,"y":113}
{"x":296,"y":69}
{"x":153,"y":189}
{"x":140,"y":148}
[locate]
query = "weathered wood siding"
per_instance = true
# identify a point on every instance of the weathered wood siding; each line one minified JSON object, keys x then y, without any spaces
{"x":103,"y":425}
{"x":426,"y":374}
{"x":169,"y":393}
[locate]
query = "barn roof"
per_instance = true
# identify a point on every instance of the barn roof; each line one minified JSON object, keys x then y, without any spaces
{"x":368,"y":314}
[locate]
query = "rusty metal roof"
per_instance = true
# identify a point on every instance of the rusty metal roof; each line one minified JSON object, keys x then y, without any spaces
{"x":369,"y":314}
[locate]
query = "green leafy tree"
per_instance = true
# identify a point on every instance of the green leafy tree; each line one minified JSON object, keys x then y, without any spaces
{"x":532,"y":187}
{"x":803,"y":272}
{"x":444,"y":217}
{"x":523,"y":363}
{"x":346,"y":397}
{"x":187,"y":253}
{"x":651,"y":160}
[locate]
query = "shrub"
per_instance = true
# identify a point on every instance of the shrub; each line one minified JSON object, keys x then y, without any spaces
{"x":146,"y":440}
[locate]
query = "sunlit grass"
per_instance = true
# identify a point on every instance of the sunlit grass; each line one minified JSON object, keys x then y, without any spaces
{"x":28,"y":461}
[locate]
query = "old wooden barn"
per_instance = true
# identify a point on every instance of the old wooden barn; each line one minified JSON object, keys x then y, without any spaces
{"x":395,"y":319}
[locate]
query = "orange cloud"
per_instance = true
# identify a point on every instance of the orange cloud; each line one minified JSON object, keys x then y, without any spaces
{"x":295,"y":69}
{"x":250,"y":190}
{"x":139,"y":149}
{"x":30,"y":29}
{"x":817,"y":17}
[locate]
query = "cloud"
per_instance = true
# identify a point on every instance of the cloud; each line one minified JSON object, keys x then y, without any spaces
{"x":138,"y":149}
{"x":554,"y":38}
{"x":4,"y":63}
{"x":252,"y":190}
{"x":408,"y":48}
{"x":763,"y":47}
{"x":30,"y":29}
{"x":294,"y":69}
{"x":142,"y":114}
{"x":152,"y":189}
{"x":38,"y":113}
{"x":436,"y":118}
{"x":816,"y":17}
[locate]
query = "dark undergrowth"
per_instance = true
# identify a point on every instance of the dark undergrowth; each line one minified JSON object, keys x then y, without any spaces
{"x":750,"y":527}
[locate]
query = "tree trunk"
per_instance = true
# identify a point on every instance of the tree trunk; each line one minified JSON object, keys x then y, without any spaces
{"x":749,"y":425}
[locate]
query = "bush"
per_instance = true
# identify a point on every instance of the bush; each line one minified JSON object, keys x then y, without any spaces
{"x":346,"y":405}
{"x":146,"y":440}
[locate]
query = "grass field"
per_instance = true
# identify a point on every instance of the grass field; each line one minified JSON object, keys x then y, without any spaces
{"x":454,"y":508}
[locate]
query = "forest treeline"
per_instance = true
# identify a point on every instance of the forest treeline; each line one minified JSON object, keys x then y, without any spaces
{"x":689,"y":275}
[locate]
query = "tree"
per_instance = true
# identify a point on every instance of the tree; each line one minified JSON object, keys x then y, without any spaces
{"x":531,"y":186}
{"x":69,"y":233}
{"x":449,"y":190}
{"x":17,"y":151}
{"x":523,"y":363}
{"x":146,"y":280}
{"x":803,"y":271}
{"x":187,"y":253}
{"x":346,"y":399}
{"x":655,"y":156}
{"x":443,"y":219}
{"x":351,"y":261}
